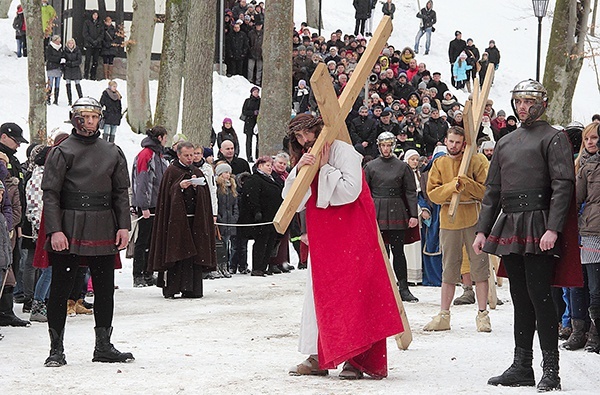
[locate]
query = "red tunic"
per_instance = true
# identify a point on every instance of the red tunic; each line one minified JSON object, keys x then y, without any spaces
{"x":354,"y":302}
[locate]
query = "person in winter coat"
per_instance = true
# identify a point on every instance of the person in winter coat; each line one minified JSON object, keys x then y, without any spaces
{"x":73,"y":58}
{"x":588,"y":198}
{"x":149,"y":166}
{"x":228,"y":133}
{"x":434,"y":132}
{"x":511,"y":125}
{"x":369,"y":22}
{"x":428,"y":19}
{"x":260,"y":202}
{"x":111,"y":101}
{"x":363,"y":131}
{"x":250,"y":111}
{"x":388,"y":8}
{"x":363,"y":12}
{"x":300,"y":99}
{"x":54,"y":62}
{"x":110,"y":43}
{"x":93,"y":36}
{"x":482,"y":67}
{"x":236,"y":50}
{"x":20,"y":32}
{"x":472,"y":58}
{"x":459,"y":71}
{"x":455,"y":48}
{"x":255,"y":56}
{"x":493,"y":54}
{"x":228,"y":212}
{"x":407,"y":55}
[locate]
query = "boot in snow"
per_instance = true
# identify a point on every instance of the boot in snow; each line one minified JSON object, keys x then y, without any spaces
{"x":440,"y":322}
{"x":577,"y":339}
{"x":105,"y":351}
{"x":468,"y":296}
{"x":57,"y":354}
{"x":550,"y":380}
{"x":520,"y":373}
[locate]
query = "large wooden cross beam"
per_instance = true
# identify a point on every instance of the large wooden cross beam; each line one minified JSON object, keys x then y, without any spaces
{"x":473,"y":113}
{"x":334,"y":112}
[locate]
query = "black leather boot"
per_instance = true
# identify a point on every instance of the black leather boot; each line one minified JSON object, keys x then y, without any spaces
{"x":520,"y":373}
{"x":405,"y":293}
{"x":105,"y":351}
{"x":79,"y":92}
{"x":56,"y":358}
{"x":578,"y":337}
{"x":7,"y":315}
{"x":550,"y":380}
{"x":56,"y":90}
{"x":69,"y":95}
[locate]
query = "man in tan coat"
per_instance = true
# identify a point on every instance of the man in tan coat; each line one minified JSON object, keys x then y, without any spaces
{"x":443,"y":182}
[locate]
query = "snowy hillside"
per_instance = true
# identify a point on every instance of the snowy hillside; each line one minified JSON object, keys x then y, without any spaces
{"x":242,"y":336}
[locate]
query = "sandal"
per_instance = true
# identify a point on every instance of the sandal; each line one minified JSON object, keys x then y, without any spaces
{"x":309,"y":367}
{"x":349,"y":372}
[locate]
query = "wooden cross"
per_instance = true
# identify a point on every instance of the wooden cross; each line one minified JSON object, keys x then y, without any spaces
{"x":334,"y":112}
{"x":472,"y":115}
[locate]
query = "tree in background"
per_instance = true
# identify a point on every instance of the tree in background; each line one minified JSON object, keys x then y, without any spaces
{"x":277,"y":76}
{"x":196,"y":121}
{"x":171,"y":65}
{"x":4,"y":6}
{"x":139,"y":52}
{"x":565,"y":57}
{"x":36,"y":71}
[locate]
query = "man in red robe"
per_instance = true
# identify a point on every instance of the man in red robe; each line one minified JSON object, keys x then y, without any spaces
{"x":349,"y":309}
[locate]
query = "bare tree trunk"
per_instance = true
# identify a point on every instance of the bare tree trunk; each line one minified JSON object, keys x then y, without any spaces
{"x":171,"y":65}
{"x":312,"y":13}
{"x":139,"y":51}
{"x":4,"y":6}
{"x":565,"y":58}
{"x":277,"y":76}
{"x":36,"y":72}
{"x":593,"y":26}
{"x":198,"y":82}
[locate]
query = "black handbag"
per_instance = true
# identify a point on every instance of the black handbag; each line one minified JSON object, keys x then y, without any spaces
{"x":221,"y":249}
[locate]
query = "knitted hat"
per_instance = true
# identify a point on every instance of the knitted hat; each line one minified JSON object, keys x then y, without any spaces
{"x":222,"y":168}
{"x":207,"y":152}
{"x":501,"y":113}
{"x":227,"y":120}
{"x":409,"y":153}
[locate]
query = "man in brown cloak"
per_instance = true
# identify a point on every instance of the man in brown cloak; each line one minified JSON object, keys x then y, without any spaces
{"x":183,"y":237}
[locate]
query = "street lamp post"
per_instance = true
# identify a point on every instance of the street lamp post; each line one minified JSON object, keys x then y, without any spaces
{"x":539,"y":9}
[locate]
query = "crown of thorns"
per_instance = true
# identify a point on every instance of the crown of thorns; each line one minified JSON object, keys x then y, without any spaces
{"x":304,"y":125}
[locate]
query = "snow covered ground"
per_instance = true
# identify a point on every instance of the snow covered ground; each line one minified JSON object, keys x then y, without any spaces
{"x":242,"y":336}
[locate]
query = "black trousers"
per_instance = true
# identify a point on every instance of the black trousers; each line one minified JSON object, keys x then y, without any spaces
{"x":530,"y":278}
{"x":142,"y":245}
{"x":395,"y":239}
{"x":64,"y":278}
{"x":91,"y":62}
{"x":264,"y":243}
{"x":360,"y":25}
{"x":249,"y":132}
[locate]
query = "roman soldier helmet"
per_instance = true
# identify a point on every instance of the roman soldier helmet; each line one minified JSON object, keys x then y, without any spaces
{"x":530,"y":89}
{"x":85,"y":104}
{"x":386,"y":137}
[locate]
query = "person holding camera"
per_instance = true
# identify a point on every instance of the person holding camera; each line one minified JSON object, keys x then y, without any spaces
{"x":428,"y":19}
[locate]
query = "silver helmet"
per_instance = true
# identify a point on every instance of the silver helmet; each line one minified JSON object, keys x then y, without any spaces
{"x":386,"y":137}
{"x":85,"y":104}
{"x":530,"y":89}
